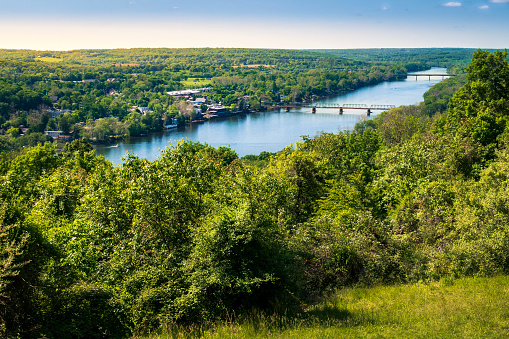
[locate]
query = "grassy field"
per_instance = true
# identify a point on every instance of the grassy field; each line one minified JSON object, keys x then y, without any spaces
{"x":49,"y":59}
{"x":464,"y":308}
{"x":196,"y":82}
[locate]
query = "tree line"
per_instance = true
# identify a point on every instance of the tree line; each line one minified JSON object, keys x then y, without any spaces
{"x":454,"y":59}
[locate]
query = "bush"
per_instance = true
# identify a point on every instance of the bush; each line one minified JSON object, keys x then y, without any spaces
{"x":84,"y":311}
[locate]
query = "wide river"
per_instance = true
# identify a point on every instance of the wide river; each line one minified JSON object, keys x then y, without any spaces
{"x":273,"y":130}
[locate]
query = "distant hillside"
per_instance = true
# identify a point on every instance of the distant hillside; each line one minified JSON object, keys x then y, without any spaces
{"x":219,"y":57}
{"x":433,"y":57}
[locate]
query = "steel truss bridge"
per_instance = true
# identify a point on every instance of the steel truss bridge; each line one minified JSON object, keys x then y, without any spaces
{"x":429,"y":75}
{"x":314,"y":106}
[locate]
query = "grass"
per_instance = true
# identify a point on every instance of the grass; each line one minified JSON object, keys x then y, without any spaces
{"x":49,"y":59}
{"x":197,"y":82}
{"x":463,"y":308}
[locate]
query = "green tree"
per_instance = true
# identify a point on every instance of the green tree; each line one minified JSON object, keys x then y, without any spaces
{"x":11,"y":251}
{"x":13,"y":132}
{"x":134,"y":124}
{"x":63,"y":124}
{"x":480,"y":108}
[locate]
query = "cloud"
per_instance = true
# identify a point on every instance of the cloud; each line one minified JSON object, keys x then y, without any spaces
{"x":498,"y":1}
{"x":484,"y":7}
{"x":384,"y":8}
{"x":457,"y":4}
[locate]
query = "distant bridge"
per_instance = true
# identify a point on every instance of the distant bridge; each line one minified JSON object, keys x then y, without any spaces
{"x":314,"y":106}
{"x":429,"y":75}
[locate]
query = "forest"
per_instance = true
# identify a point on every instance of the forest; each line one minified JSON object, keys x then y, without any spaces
{"x":97,"y":94}
{"x":418,"y":193}
{"x":454,"y":59}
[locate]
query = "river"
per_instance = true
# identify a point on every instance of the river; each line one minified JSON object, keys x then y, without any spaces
{"x":273,"y":130}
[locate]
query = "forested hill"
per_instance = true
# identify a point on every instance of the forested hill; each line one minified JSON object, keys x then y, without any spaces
{"x":419,"y":193}
{"x":432,"y":57}
{"x":186,"y":57}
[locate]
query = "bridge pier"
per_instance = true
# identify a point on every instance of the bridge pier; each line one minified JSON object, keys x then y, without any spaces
{"x":313,"y":110}
{"x":340,"y":111}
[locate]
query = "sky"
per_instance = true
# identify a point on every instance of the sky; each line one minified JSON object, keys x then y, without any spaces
{"x":288,"y":24}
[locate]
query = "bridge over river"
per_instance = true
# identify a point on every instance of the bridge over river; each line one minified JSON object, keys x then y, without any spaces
{"x":339,"y":107}
{"x":429,"y":75}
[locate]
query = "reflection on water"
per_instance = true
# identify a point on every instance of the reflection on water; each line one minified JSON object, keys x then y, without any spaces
{"x":273,"y":130}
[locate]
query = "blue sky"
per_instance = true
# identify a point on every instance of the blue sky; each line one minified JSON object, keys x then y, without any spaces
{"x":61,"y":25}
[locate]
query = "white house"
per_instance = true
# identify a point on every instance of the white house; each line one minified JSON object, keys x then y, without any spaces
{"x":53,"y":134}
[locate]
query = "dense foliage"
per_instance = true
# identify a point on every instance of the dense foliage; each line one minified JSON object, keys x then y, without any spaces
{"x":89,"y":250}
{"x":454,"y":59}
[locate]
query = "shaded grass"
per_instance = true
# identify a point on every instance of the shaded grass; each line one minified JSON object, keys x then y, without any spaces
{"x":463,"y":308}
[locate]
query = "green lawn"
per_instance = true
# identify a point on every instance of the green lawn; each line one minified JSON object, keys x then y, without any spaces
{"x":196,"y":82}
{"x":464,"y":308}
{"x":49,"y":59}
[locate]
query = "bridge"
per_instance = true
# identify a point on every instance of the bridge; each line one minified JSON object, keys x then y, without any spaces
{"x":429,"y":75}
{"x":339,"y":107}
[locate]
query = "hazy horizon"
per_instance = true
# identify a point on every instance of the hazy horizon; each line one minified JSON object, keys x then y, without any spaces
{"x":322,"y":24}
